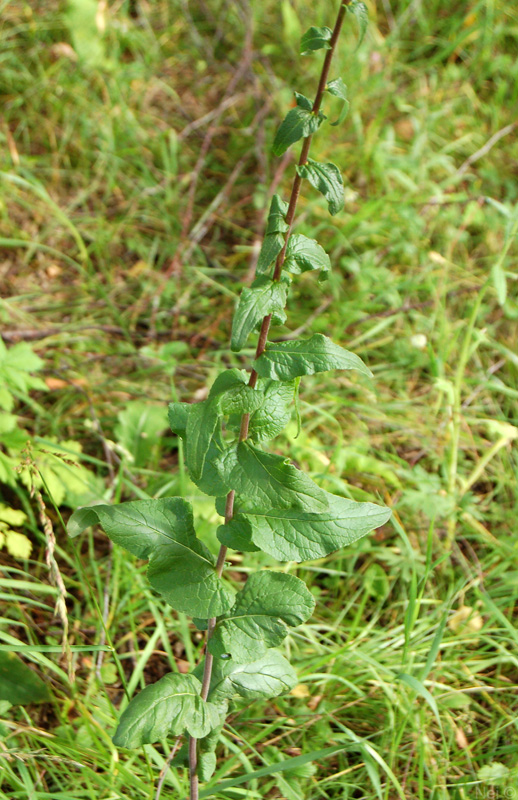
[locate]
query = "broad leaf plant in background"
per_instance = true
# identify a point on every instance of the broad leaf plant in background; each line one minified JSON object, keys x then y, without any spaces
{"x":267,"y":503}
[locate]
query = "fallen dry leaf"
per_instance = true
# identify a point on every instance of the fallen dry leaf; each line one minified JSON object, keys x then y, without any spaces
{"x":301,"y":690}
{"x":465,"y":620}
{"x":460,"y":738}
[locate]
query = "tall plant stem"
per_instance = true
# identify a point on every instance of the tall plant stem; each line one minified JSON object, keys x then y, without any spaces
{"x":261,"y":345}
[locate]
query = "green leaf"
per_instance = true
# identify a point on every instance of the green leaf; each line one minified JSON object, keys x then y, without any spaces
{"x":315,"y":39}
{"x":19,"y":684}
{"x":283,"y":361}
{"x":189,"y":583}
{"x":276,"y":227}
{"x":206,"y":763}
{"x":303,"y":101}
{"x":327,"y":179}
{"x":264,"y":297}
{"x":181,"y":568}
{"x":206,"y":754}
{"x":138,"y":430}
{"x":278,"y":210}
{"x":274,"y":413}
{"x":272,"y":246}
{"x":494,"y":773}
{"x":12,"y":516}
{"x":17,"y":544}
{"x":172,"y":705}
{"x":81,"y":17}
{"x":361,"y":13}
{"x":209,"y":481}
{"x":295,"y":534}
{"x":201,"y":425}
{"x":237,"y":534}
{"x":297,"y":124}
{"x":178,"y":414}
{"x":304,"y":254}
{"x":499,"y":279}
{"x":231,"y":394}
{"x":270,"y":676}
{"x":297,"y":406}
{"x":339,"y":89}
{"x":264,"y":608}
{"x":60,"y":473}
{"x":16,"y":364}
{"x":416,"y":685}
{"x":139,"y":526}
{"x":269,"y":479}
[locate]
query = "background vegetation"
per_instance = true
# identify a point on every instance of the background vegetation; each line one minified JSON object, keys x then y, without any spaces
{"x":135,"y":168}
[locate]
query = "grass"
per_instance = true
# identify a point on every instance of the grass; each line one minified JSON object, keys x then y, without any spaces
{"x":408,"y":669}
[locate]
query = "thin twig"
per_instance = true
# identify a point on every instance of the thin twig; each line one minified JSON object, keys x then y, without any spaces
{"x":163,"y":771}
{"x":200,"y":229}
{"x":33,"y":334}
{"x":312,"y":317}
{"x":485,"y":148}
{"x":214,"y":114}
{"x":389,"y":15}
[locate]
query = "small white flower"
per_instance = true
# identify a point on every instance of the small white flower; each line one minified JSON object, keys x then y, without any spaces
{"x":419,"y":340}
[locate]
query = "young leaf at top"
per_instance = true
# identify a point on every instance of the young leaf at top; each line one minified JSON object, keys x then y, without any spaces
{"x":283,"y":361}
{"x":268,"y":479}
{"x":327,"y":179}
{"x":170,"y":706}
{"x":338,"y":89}
{"x":304,"y":254}
{"x":264,"y":608}
{"x":264,"y":297}
{"x":270,"y":676}
{"x":181,"y":568}
{"x":294,"y":534}
{"x":361,"y":13}
{"x":297,"y":124}
{"x":315,"y":39}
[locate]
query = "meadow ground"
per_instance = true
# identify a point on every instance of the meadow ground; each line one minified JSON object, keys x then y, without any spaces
{"x":135,"y":169}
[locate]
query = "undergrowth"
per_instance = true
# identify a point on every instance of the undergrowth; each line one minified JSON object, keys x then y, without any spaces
{"x":114,"y":140}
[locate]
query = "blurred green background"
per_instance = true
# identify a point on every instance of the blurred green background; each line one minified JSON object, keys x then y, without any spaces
{"x":136,"y":168}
